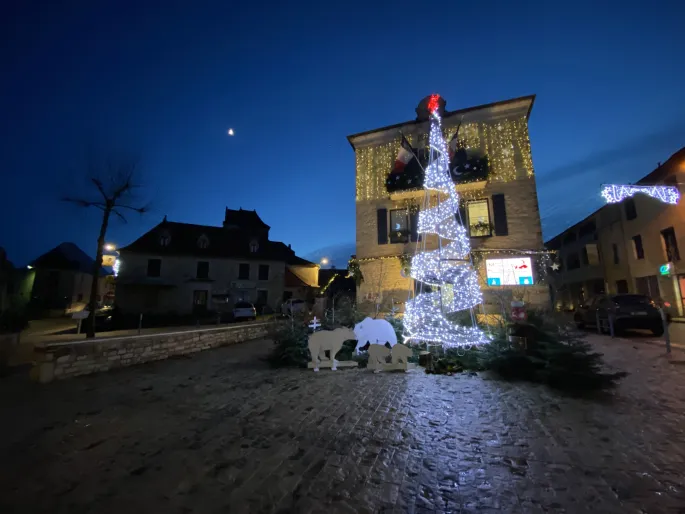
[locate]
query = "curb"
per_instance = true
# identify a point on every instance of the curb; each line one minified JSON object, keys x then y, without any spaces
{"x":652,"y":343}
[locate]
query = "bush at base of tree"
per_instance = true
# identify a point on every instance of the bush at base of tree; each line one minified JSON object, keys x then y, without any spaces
{"x":562,"y":360}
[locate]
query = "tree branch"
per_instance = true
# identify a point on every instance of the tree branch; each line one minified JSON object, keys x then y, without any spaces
{"x":84,"y":203}
{"x":142,"y":210}
{"x":98,"y":184}
{"x":120,"y":215}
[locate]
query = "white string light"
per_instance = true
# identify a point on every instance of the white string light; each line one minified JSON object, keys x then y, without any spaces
{"x":448,"y":268}
{"x":615,"y":193}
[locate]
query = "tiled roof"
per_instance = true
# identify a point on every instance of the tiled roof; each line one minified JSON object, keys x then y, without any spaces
{"x":183,"y":238}
{"x":66,"y":256}
{"x":292,"y":280}
{"x":243,"y":219}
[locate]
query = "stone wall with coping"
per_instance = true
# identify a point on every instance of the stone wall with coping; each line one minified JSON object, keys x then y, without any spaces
{"x":64,"y":360}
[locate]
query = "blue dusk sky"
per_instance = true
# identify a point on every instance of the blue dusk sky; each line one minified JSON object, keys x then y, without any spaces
{"x":166,"y":80}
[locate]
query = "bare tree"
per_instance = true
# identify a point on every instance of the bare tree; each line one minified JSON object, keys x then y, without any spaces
{"x":115,"y":187}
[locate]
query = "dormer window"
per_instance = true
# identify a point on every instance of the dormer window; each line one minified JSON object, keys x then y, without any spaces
{"x":164,"y":239}
{"x":203,"y":241}
{"x":254,"y":246}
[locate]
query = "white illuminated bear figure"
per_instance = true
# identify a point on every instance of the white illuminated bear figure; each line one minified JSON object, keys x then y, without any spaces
{"x":374,"y":331}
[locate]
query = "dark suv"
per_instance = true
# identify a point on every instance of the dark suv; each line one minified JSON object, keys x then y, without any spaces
{"x":629,"y":311}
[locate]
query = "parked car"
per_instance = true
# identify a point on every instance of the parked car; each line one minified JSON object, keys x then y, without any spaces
{"x":628,"y":310}
{"x":292,"y":306}
{"x":244,"y":311}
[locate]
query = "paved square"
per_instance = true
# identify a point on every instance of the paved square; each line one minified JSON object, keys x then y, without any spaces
{"x":220,"y":432}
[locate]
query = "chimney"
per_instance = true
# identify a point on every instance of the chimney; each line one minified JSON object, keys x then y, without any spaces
{"x":289,"y":248}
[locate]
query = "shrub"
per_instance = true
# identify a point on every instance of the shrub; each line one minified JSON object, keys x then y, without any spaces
{"x":13,"y":321}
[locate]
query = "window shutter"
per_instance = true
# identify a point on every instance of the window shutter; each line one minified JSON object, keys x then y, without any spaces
{"x":499,"y":211}
{"x":382,"y":226}
{"x":414,"y":226}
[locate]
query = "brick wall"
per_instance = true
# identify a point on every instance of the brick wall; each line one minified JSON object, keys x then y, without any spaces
{"x":63,"y":360}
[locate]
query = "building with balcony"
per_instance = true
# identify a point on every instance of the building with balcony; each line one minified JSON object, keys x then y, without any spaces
{"x":637,"y":242}
{"x":493,"y":174}
{"x":184,"y":268}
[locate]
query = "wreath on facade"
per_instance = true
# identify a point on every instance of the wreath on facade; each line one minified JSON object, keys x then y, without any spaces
{"x":405,"y":265}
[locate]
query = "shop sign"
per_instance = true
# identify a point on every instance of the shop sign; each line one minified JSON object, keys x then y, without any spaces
{"x":666,"y":269}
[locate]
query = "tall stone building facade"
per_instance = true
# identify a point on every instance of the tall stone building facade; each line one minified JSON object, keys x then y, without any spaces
{"x":493,"y":174}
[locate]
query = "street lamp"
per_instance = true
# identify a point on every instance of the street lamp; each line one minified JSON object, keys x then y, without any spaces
{"x":324,"y":261}
{"x":110,"y":247}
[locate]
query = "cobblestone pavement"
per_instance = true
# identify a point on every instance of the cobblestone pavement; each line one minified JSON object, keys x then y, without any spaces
{"x":222,"y":433}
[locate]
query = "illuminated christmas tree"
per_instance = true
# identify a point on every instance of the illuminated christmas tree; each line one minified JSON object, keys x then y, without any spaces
{"x":446,"y":280}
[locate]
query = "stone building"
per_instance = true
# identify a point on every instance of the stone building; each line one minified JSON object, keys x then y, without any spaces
{"x":59,"y":281}
{"x":627,"y":247}
{"x":183,"y":268}
{"x":493,"y":174}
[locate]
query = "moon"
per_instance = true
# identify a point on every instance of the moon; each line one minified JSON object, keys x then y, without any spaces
{"x":230,"y":132}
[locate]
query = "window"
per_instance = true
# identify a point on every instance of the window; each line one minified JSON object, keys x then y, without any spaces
{"x":79,"y":298}
{"x":263,"y":272}
{"x":479,"y":219}
{"x":262,"y":297}
{"x":154,"y":267}
{"x":622,"y":286}
{"x":648,"y":286}
{"x":614,"y":249}
{"x":203,"y":241}
{"x":637,"y":247}
{"x":244,"y":271}
{"x":584,"y":257}
{"x":202,"y":269}
{"x":254,"y":246}
{"x":629,"y":207}
{"x":670,"y":244}
{"x":572,"y":261}
{"x":587,"y":229}
{"x":164,"y":239}
{"x":200,"y":298}
{"x":399,"y":226}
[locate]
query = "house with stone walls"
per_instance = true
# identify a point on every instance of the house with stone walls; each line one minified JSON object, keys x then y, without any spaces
{"x":492,"y":171}
{"x":631,"y":246}
{"x":182,"y":268}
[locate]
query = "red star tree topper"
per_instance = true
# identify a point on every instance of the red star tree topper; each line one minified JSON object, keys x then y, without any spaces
{"x":433,"y":103}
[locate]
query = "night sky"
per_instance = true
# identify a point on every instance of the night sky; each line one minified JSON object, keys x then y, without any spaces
{"x":293,"y":80}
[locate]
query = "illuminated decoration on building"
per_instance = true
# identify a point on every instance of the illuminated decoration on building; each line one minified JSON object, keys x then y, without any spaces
{"x":504,"y":142}
{"x":116,"y":266}
{"x":509,"y":272}
{"x":615,"y":193}
{"x":665,"y":269}
{"x":446,"y":280}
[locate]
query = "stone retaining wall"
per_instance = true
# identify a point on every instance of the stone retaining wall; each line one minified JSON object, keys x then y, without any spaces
{"x":63,"y":360}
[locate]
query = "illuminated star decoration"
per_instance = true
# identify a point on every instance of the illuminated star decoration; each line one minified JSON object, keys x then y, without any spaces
{"x":555,"y":266}
{"x":614,"y":193}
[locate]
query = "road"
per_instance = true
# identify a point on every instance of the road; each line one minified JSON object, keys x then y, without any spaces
{"x":221,"y":432}
{"x":676,"y":333}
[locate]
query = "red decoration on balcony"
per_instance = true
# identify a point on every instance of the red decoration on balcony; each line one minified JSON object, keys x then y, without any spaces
{"x":433,"y":103}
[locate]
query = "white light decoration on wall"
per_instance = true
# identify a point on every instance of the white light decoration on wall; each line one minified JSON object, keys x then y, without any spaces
{"x":614,"y":193}
{"x":448,"y":271}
